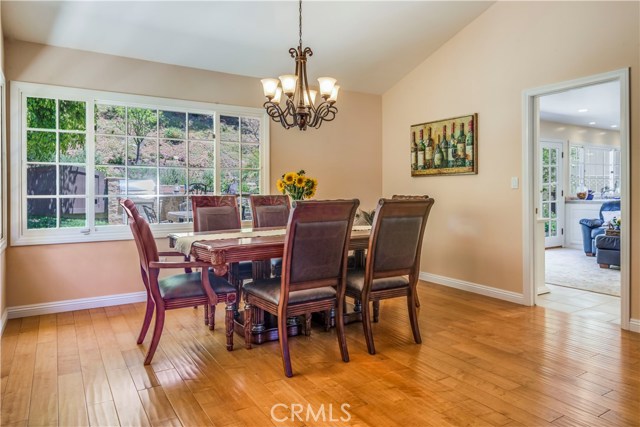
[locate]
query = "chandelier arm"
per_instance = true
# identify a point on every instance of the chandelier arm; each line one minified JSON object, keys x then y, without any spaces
{"x":277,"y":115}
{"x":327,"y":111}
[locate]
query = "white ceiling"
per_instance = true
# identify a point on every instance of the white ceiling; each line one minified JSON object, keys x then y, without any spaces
{"x":601,"y":101}
{"x":367,"y":45}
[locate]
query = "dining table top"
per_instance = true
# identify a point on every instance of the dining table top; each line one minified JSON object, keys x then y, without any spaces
{"x":247,"y":244}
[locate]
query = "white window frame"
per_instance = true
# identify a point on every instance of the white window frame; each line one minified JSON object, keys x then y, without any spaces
{"x":3,"y":164}
{"x":20,"y":235}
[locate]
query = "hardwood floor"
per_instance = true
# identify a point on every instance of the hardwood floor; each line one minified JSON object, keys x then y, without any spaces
{"x":483,"y":362}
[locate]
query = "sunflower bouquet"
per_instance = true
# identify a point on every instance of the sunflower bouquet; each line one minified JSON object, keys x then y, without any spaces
{"x":297,"y":185}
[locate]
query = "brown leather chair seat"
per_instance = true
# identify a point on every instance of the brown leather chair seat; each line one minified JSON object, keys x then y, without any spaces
{"x":355,"y":282}
{"x":269,"y":290}
{"x":189,"y":285}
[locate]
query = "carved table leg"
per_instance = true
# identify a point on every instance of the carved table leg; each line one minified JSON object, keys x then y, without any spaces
{"x":228,"y":321}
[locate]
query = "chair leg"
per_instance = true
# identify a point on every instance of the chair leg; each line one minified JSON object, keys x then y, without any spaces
{"x":206,"y":314}
{"x":413,"y":317}
{"x":342,"y":339}
{"x":327,"y":320}
{"x":147,"y":319}
{"x":248,"y":311}
{"x":284,"y":345}
{"x":366,"y":325}
{"x":228,"y":323}
{"x":417,"y":299}
{"x":307,"y":324}
{"x":376,"y":311}
{"x":212,"y":317}
{"x":157,"y":333}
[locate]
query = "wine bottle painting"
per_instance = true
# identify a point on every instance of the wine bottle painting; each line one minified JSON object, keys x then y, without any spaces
{"x":445,"y":147}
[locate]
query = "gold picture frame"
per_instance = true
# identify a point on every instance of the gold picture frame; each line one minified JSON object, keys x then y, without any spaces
{"x":433,"y":152}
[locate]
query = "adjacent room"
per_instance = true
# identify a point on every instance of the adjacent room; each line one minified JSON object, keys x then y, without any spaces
{"x":314,"y":213}
{"x":580,"y":198}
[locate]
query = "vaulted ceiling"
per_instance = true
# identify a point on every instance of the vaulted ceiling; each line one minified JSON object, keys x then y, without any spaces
{"x":367,"y":45}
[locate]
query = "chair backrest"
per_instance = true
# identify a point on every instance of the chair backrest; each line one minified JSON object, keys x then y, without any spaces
{"x":145,"y":242}
{"x":212,"y":213}
{"x":610,"y":206}
{"x":396,"y":237}
{"x":316,"y":245}
{"x":270,"y":211}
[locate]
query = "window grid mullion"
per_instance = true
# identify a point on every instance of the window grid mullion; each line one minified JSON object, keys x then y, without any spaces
{"x":90,"y":165}
{"x":217,"y":175}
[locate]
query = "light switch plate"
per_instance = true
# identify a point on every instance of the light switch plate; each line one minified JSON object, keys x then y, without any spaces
{"x":514,"y":182}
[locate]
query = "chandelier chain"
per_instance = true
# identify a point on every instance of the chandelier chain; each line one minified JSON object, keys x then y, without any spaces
{"x":300,"y":21}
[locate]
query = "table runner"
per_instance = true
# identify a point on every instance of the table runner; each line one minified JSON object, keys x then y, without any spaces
{"x":183,"y":243}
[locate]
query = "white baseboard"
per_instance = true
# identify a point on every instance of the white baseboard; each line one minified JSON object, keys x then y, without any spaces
{"x":634,"y":325}
{"x":3,"y":320}
{"x":473,"y":287}
{"x":75,"y":304}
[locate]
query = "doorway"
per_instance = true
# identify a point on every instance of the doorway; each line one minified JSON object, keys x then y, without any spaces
{"x":538,"y":186}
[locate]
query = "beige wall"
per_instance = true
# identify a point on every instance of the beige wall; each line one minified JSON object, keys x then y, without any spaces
{"x":345,"y":156}
{"x":475,"y":229}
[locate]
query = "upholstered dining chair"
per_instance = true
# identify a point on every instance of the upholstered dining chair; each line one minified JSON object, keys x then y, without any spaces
{"x":393,"y":260}
{"x":376,"y":304}
{"x":313,"y":272}
{"x":215,"y":213}
{"x":270,"y":211}
{"x":177,"y":291}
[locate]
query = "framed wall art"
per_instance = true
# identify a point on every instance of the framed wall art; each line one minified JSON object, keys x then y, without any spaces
{"x":445,"y":147}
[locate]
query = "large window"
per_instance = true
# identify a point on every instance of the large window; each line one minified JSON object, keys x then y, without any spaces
{"x":81,"y":151}
{"x":595,"y":168}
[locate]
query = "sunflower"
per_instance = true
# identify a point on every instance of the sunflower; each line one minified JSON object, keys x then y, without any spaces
{"x":289,"y":178}
{"x":301,"y":181}
{"x":280,"y":186}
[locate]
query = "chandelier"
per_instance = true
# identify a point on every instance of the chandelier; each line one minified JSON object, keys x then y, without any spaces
{"x":299,"y":108}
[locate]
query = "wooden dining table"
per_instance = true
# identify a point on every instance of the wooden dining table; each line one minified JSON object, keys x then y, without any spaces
{"x":223,"y":248}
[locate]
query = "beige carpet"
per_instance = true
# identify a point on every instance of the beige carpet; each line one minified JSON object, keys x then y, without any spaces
{"x":572,"y":269}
